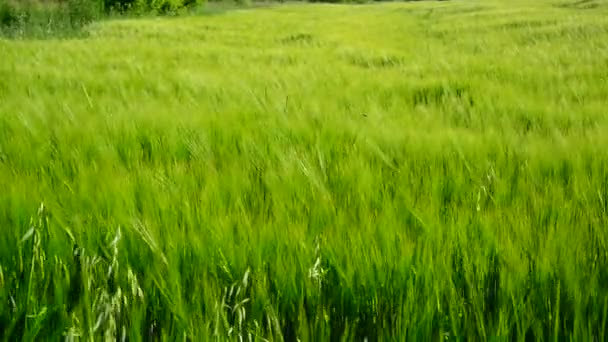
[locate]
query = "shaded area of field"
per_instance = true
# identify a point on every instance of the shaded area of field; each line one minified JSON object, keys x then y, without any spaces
{"x":412,"y":171}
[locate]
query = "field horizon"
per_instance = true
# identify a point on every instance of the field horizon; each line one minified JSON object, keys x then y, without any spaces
{"x":391,"y":171}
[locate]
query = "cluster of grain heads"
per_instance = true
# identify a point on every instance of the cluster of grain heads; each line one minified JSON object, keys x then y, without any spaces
{"x":317,"y":272}
{"x":55,"y":293}
{"x":231,"y":311}
{"x":109,"y":293}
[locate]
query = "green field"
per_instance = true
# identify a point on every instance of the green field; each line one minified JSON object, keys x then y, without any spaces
{"x":399,"y":171}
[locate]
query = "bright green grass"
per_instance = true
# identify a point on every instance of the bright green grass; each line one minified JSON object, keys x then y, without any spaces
{"x":420,"y":171}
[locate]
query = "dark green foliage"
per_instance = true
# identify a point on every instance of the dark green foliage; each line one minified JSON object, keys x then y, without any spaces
{"x":37,"y":18}
{"x":8,"y":14}
{"x":156,"y":6}
{"x":82,"y":12}
{"x":120,"y":5}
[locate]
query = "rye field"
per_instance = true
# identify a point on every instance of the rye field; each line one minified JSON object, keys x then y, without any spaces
{"x":419,"y":171}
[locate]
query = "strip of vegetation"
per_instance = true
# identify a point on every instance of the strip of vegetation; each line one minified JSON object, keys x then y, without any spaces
{"x":40,"y":18}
